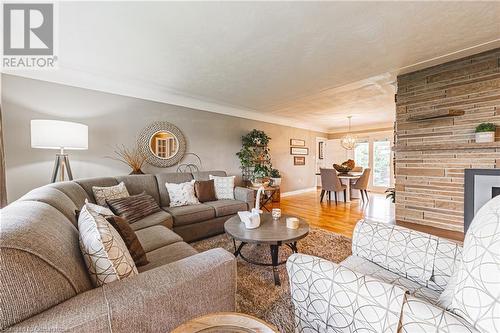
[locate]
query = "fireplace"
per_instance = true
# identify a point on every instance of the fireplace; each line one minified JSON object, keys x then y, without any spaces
{"x":480,"y":186}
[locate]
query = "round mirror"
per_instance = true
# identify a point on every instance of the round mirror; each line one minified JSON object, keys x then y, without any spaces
{"x":164,"y":144}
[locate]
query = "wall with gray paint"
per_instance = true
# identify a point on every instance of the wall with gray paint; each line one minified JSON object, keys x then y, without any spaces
{"x":114,"y":119}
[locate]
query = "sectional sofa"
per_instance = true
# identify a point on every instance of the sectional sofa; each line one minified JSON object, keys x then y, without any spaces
{"x":44,"y":281}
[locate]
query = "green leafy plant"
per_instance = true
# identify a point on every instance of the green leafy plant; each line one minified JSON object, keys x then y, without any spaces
{"x":254,"y":155}
{"x":391,"y":194}
{"x":255,"y":137}
{"x":261,"y":171}
{"x":485,"y":127}
{"x":275,"y":173}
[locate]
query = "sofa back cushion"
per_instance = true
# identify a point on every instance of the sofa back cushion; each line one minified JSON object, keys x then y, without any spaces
{"x":40,"y":261}
{"x":477,"y":291}
{"x":205,"y":175}
{"x":88,"y":183}
{"x":137,"y":184}
{"x":54,"y":198}
{"x":177,"y":178}
{"x":73,"y":191}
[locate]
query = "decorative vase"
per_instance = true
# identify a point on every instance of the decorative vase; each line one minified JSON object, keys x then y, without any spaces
{"x":483,"y":137}
{"x":136,"y":172}
{"x":276,"y":181}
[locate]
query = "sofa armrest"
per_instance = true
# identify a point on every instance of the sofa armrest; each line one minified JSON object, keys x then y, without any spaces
{"x":328,"y":297}
{"x":157,"y":300}
{"x":420,"y":316}
{"x":246,"y":195}
{"x":426,"y":259}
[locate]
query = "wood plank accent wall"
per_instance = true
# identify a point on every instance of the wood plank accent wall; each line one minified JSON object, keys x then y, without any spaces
{"x":431,"y":155}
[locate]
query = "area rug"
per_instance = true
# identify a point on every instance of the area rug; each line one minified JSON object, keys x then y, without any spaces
{"x":256,"y":293}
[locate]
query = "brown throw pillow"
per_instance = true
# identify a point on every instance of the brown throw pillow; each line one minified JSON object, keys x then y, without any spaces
{"x":205,"y":190}
{"x":129,"y":238}
{"x":134,"y":207}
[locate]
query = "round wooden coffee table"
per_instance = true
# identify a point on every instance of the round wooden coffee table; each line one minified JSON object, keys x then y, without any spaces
{"x":230,"y":322}
{"x":270,"y":232}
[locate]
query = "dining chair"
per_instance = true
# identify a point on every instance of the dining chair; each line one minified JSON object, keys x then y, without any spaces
{"x":330,"y":182}
{"x":362,"y":184}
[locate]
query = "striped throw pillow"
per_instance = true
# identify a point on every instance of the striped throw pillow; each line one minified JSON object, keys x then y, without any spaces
{"x":134,"y":207}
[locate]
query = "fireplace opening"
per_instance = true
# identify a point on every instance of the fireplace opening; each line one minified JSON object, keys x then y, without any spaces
{"x":481,"y":185}
{"x":495,"y":191}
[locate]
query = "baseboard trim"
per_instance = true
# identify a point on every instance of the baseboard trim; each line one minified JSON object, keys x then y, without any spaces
{"x":304,"y":190}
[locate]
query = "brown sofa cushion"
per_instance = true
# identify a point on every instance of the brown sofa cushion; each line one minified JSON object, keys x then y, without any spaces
{"x":168,"y":254}
{"x":156,"y":236}
{"x":227,"y":207}
{"x":185,"y":215}
{"x":129,"y":238}
{"x":159,"y":218}
{"x":205,"y":190}
{"x":134,"y":207}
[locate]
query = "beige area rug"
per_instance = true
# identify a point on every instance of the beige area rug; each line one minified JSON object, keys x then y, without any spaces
{"x":257,"y":295}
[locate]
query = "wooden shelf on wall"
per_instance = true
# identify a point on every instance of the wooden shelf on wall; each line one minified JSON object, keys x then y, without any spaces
{"x":448,"y":146}
{"x":436,"y":114}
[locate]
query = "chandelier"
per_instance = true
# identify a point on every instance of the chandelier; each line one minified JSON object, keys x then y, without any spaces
{"x":348,"y":141}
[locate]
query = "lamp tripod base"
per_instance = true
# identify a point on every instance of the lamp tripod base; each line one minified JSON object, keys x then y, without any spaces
{"x":61,"y":162}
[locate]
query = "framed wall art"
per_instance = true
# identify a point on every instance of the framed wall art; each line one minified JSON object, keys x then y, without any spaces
{"x":299,"y":160}
{"x":321,"y":150}
{"x":297,"y":142}
{"x":299,"y":151}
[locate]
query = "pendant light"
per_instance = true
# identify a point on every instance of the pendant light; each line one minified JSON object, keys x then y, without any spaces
{"x":348,"y":141}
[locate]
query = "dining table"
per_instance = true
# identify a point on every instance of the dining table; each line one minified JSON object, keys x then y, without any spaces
{"x":346,"y":179}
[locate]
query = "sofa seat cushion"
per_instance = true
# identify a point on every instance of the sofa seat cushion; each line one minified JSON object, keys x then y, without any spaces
{"x":159,"y":218}
{"x":185,"y":215}
{"x":156,"y":236}
{"x":366,"y":267}
{"x":167,"y":254}
{"x":227,"y":207}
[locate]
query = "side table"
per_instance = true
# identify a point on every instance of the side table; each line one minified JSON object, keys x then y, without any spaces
{"x":271,"y":195}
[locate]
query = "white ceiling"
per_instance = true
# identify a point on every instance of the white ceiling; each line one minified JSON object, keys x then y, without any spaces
{"x":306,"y":64}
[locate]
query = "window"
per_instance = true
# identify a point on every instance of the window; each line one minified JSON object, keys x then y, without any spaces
{"x":362,"y":155}
{"x":382,"y":163}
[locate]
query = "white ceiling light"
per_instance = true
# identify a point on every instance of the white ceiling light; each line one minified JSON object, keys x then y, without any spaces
{"x":348,"y":141}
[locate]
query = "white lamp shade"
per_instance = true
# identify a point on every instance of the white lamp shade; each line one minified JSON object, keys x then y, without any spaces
{"x":55,"y":134}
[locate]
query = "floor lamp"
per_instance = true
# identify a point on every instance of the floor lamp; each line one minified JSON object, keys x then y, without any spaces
{"x":61,"y":135}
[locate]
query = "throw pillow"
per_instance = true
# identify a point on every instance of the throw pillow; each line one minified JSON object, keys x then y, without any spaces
{"x":101,"y":210}
{"x":105,"y":253}
{"x":134,"y":207}
{"x":101,"y":194}
{"x":224,"y":187}
{"x":205,"y":190}
{"x":181,"y":194}
{"x":96,"y":208}
{"x":129,"y":238}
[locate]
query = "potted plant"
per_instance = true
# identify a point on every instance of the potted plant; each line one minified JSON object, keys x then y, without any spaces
{"x":275,"y":177}
{"x":485,"y":132}
{"x":391,"y":194}
{"x":260,"y":173}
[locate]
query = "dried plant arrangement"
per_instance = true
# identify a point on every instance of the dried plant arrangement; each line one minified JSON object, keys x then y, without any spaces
{"x":131,"y":157}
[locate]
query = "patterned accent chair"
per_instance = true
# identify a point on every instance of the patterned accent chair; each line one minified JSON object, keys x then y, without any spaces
{"x":401,"y":280}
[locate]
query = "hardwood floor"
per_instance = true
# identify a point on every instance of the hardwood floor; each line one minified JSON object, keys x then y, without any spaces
{"x":342,"y":218}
